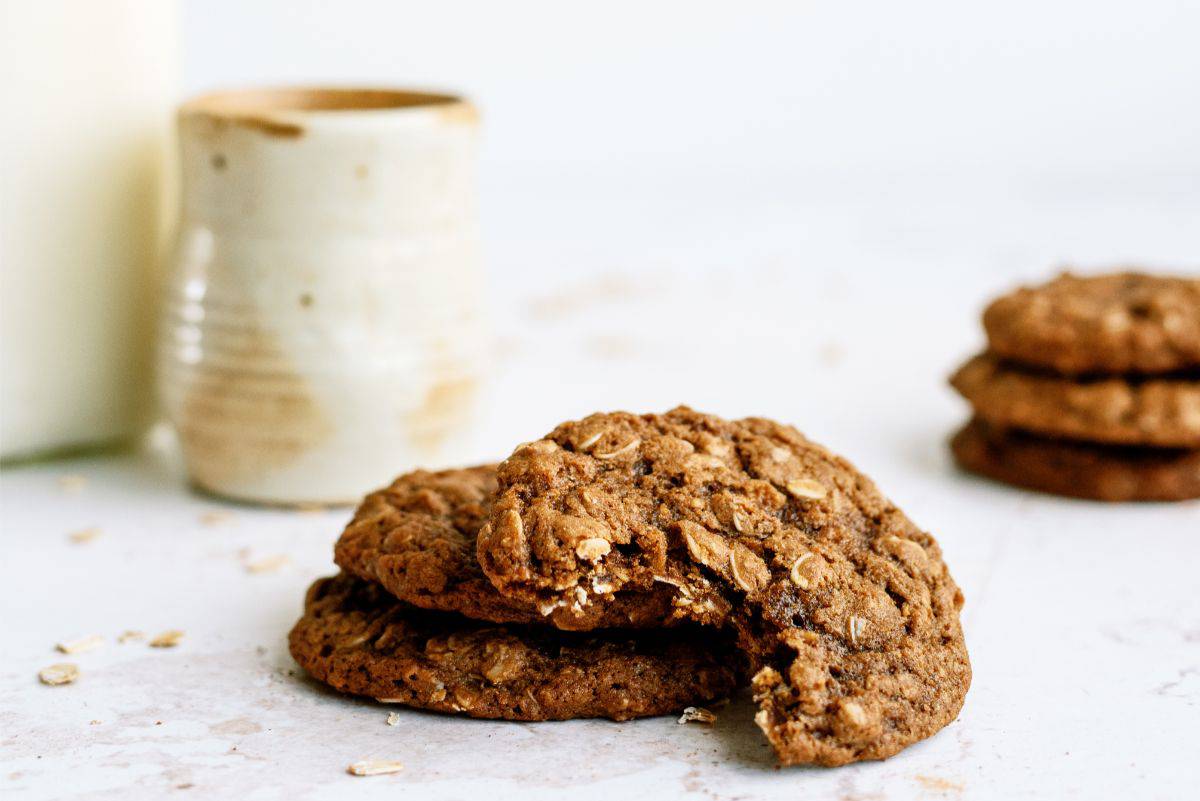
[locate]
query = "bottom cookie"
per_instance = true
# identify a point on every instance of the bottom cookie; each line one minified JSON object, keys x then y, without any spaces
{"x":359,"y":639}
{"x":1077,"y":469}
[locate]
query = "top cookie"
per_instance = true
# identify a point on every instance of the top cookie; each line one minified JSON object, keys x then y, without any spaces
{"x":416,"y":538}
{"x":1117,"y":323}
{"x":845,"y":607}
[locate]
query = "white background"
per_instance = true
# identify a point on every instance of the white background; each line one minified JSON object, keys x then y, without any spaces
{"x":1020,"y":87}
{"x":794,"y":210}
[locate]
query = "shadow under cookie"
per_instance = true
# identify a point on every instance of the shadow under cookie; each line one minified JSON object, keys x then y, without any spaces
{"x":1077,"y":469}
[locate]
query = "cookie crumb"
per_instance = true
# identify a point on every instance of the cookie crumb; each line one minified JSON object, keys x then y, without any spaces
{"x":72,"y":483}
{"x":215,"y":518}
{"x":84,"y":535}
{"x":831,"y":354}
{"x":95,"y":722}
{"x":167,"y":639}
{"x":80,"y":645}
{"x":268,"y":564}
{"x":393,"y":719}
{"x":61,"y":673}
{"x":697,"y":714}
{"x":129,"y":635}
{"x":374,"y":767}
{"x":939,"y":785}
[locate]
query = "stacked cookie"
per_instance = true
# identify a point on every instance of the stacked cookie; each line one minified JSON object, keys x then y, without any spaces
{"x":1090,"y":388}
{"x":631,"y":565}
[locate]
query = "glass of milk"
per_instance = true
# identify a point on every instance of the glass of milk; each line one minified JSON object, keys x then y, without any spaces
{"x":88,"y":90}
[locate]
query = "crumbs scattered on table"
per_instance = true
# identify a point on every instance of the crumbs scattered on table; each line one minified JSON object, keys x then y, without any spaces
{"x":393,"y":719}
{"x":130,"y":635}
{"x":80,"y":645}
{"x":95,"y":722}
{"x":267,"y":564}
{"x":216,"y":517}
{"x":939,"y":785}
{"x":61,"y":673}
{"x":374,"y":767}
{"x":167,"y":639}
{"x":84,"y":535}
{"x":697,"y":714}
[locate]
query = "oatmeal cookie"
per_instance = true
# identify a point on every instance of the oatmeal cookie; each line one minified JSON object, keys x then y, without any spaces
{"x":416,"y":538}
{"x":1077,"y":469}
{"x":845,"y":608}
{"x":357,"y":638}
{"x":1163,"y":412}
{"x":1117,"y":323}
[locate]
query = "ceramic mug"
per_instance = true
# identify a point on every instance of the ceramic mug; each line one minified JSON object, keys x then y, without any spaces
{"x":322,"y":327}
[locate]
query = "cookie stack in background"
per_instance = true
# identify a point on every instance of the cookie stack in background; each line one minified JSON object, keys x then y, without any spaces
{"x":1090,"y":388}
{"x":629,"y":565}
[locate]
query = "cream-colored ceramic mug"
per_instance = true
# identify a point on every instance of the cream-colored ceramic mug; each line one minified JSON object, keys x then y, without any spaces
{"x":322,"y":328}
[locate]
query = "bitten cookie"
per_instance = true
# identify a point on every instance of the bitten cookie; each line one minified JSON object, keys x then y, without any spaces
{"x":1117,"y":323}
{"x":846,"y":609}
{"x":1077,"y":469}
{"x":358,"y":639}
{"x":1163,"y":412}
{"x":417,"y":539}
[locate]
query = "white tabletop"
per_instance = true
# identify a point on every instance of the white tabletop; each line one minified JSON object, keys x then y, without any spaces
{"x":842,"y":316}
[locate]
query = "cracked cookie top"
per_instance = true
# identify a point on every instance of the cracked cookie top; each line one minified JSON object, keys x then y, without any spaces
{"x":845,"y":607}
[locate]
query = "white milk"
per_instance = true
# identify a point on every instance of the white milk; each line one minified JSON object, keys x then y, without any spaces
{"x":88,"y":89}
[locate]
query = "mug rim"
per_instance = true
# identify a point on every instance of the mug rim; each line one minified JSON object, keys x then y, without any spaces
{"x":289,"y":112}
{"x":251,"y":101}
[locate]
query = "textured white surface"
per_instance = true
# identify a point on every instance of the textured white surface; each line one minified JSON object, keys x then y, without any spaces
{"x":842,"y":316}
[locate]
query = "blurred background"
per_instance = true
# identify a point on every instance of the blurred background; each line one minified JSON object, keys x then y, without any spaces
{"x":795,"y":210}
{"x":790,"y":209}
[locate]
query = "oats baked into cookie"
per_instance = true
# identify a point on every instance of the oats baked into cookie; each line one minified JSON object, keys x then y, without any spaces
{"x":416,"y":538}
{"x":1078,"y":469}
{"x":1116,"y":323}
{"x":845,"y":608}
{"x":357,"y":638}
{"x":1122,"y":410}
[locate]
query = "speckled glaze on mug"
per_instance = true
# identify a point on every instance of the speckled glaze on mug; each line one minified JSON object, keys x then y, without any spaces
{"x":322,"y":327}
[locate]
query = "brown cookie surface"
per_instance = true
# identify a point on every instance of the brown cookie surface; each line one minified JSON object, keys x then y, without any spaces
{"x":357,"y":638}
{"x":846,"y":609}
{"x":1163,"y":412}
{"x":417,"y":538}
{"x":1116,"y":323}
{"x":1077,"y":469}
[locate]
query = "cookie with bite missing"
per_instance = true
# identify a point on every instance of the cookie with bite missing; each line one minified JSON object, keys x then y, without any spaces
{"x":417,"y":539}
{"x":357,"y":638}
{"x":845,"y":608}
{"x":1117,"y":323}
{"x":1077,"y":469}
